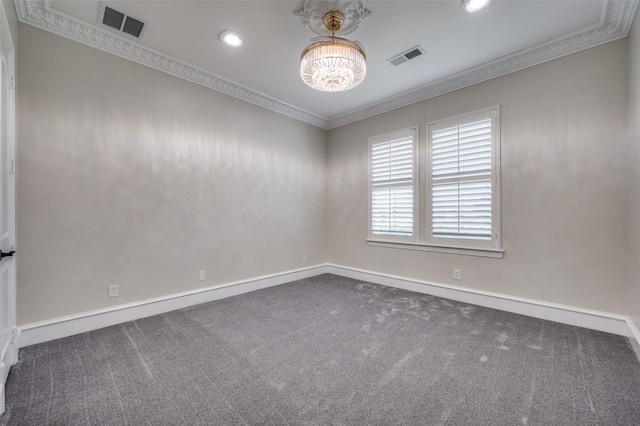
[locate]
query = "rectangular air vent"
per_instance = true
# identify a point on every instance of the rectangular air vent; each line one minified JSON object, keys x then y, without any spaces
{"x":121,"y":22}
{"x":132,"y":26}
{"x":112,"y":18}
{"x":414,"y":52}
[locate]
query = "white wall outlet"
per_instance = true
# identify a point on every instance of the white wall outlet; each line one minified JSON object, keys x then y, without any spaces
{"x":113,"y":290}
{"x":457,"y":274}
{"x":304,"y":258}
{"x":202,"y":275}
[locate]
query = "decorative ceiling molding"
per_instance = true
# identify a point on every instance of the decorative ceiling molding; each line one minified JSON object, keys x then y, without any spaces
{"x":618,"y":17}
{"x":35,"y":12}
{"x":616,"y":24}
{"x":313,"y":13}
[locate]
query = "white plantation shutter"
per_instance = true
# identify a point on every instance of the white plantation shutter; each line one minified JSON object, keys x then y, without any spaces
{"x":392,"y":211}
{"x":462,"y":173}
{"x":462,"y":209}
{"x":393,"y":184}
{"x":462,"y":150}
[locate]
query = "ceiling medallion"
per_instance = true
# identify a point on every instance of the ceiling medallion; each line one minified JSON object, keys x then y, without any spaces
{"x":333,"y":64}
{"x":314,"y":11}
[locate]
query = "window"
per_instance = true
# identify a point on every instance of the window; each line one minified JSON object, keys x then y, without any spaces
{"x":460,"y":184}
{"x":463,"y":184}
{"x":393,"y":185}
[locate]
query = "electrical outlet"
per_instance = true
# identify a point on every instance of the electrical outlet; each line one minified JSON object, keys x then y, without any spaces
{"x":457,"y":274}
{"x":304,"y":258}
{"x":113,"y":290}
{"x":202,"y":275}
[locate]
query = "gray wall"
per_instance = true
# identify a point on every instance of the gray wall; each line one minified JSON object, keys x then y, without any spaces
{"x":634,"y":170}
{"x":564,"y":184}
{"x":129,"y":176}
{"x":12,"y":18}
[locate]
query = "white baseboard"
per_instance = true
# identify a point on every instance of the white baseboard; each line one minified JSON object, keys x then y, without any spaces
{"x":596,"y":320}
{"x":31,"y":334}
{"x":56,"y":328}
{"x":634,"y":330}
{"x":2,"y":394}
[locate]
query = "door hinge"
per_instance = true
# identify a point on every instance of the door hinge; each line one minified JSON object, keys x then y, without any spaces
{"x":14,"y":335}
{"x":12,"y":166}
{"x":12,"y":82}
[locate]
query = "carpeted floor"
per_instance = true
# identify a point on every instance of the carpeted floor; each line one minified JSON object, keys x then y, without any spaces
{"x":329,"y":350}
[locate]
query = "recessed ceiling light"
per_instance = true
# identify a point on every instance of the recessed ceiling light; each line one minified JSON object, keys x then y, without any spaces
{"x":231,"y":39}
{"x":472,"y":6}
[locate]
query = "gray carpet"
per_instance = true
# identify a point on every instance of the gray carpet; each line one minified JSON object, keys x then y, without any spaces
{"x":329,"y":351}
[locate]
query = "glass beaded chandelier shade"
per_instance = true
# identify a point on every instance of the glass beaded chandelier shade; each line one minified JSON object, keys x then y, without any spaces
{"x":333,"y":64}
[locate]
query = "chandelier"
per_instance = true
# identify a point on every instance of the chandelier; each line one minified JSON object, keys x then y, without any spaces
{"x":333,"y":64}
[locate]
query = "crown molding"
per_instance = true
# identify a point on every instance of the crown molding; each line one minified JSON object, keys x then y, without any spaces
{"x":616,"y":22}
{"x":38,"y":14}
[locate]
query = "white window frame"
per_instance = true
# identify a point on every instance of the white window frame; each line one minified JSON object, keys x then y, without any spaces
{"x":388,"y":137}
{"x":422,"y":238}
{"x":494,"y":240}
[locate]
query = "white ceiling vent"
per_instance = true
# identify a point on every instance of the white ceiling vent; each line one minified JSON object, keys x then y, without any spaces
{"x":410,"y":54}
{"x":121,"y":22}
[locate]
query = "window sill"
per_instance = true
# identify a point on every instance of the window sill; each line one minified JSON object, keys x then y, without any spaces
{"x":468,"y":251}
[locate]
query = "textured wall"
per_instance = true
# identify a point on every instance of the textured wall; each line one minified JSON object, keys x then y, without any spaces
{"x":634,"y":170}
{"x":564,"y":184}
{"x":129,"y":176}
{"x":12,"y":19}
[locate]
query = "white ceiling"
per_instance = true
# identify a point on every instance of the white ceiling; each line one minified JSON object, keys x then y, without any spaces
{"x":181,"y":37}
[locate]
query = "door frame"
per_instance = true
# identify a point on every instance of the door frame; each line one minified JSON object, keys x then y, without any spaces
{"x":9,"y":350}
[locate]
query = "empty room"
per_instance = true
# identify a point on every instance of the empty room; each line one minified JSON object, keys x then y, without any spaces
{"x":320,"y":212}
